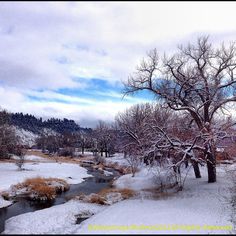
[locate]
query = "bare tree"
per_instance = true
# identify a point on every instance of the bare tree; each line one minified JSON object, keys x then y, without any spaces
{"x":133,"y":133}
{"x":20,"y":152}
{"x":104,"y":134}
{"x":50,"y":143}
{"x":199,"y":79}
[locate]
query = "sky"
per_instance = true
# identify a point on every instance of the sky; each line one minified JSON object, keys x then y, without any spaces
{"x":70,"y":59}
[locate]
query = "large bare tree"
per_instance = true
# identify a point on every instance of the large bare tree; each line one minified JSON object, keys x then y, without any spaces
{"x":198,"y":79}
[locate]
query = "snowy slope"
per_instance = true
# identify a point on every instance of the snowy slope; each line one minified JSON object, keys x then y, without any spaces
{"x":199,"y":205}
{"x":144,"y":179}
{"x":29,"y":138}
{"x":25,"y":137}
{"x":4,"y":203}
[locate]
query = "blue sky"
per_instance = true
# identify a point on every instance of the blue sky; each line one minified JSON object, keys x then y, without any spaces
{"x":69,"y":59}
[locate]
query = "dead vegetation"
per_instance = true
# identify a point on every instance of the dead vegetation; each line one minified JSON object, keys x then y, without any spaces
{"x":36,"y":153}
{"x":122,"y":169}
{"x":107,"y":196}
{"x":125,"y":192}
{"x":158,"y":193}
{"x":41,"y":188}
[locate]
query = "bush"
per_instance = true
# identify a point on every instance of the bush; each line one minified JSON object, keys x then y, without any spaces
{"x":107,"y":196}
{"x":41,"y":188}
{"x":95,"y":198}
{"x":125,"y":192}
{"x":66,"y":152}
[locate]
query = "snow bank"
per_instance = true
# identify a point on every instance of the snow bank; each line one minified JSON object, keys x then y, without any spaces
{"x":9,"y":173}
{"x":4,"y":203}
{"x":117,"y":158}
{"x":60,"y":219}
{"x":144,"y":179}
{"x":107,"y":173}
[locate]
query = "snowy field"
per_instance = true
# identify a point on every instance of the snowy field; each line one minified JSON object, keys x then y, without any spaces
{"x":10,"y":175}
{"x":199,"y":205}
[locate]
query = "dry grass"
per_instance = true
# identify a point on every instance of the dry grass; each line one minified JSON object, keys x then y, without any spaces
{"x":101,"y":197}
{"x":125,"y":192}
{"x":96,"y":198}
{"x":36,"y":153}
{"x":43,"y":188}
{"x":44,"y":192}
{"x":158,"y":194}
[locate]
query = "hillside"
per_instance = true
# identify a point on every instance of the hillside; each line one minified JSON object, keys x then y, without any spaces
{"x":38,"y":126}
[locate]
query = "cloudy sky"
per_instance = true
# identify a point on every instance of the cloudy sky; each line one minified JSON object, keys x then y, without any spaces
{"x":67,"y":59}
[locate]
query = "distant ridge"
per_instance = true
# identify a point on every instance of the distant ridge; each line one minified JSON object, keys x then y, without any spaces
{"x":37,"y":125}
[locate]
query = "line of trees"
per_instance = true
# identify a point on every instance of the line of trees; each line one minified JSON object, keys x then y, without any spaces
{"x":100,"y":140}
{"x":37,"y":125}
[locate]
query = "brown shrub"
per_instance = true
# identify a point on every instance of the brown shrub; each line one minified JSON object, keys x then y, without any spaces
{"x":43,"y":188}
{"x":43,"y":192}
{"x":125,"y":192}
{"x":64,"y":186}
{"x":102,"y":196}
{"x":96,"y":198}
{"x":5,"y":195}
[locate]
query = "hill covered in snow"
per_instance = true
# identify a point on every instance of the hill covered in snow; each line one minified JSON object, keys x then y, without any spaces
{"x":28,"y":127}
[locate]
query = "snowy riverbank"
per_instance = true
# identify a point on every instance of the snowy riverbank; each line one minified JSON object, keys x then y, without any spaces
{"x":199,"y":205}
{"x":10,"y":175}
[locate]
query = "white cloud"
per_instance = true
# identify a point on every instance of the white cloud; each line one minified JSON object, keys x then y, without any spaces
{"x":93,"y":40}
{"x":85,"y":111}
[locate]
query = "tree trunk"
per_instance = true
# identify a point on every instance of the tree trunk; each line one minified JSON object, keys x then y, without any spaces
{"x":196,"y":169}
{"x":176,"y":169}
{"x":186,"y":164}
{"x":211,"y":167}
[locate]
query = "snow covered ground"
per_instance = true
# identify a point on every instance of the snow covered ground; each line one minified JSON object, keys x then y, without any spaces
{"x":4,"y":203}
{"x":144,"y":179}
{"x":117,"y":158}
{"x":32,"y":158}
{"x":200,"y":205}
{"x":10,"y":175}
{"x":194,"y":210}
{"x":53,"y":220}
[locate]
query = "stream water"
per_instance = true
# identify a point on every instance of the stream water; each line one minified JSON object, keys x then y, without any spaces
{"x":93,"y":184}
